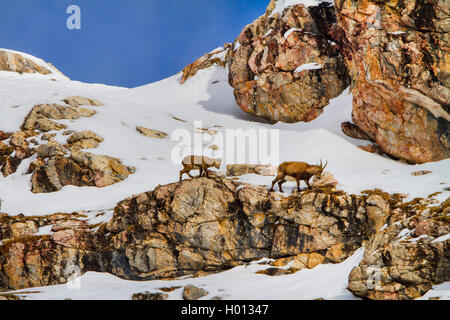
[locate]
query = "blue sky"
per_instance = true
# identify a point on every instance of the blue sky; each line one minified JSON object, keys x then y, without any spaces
{"x":124,"y":42}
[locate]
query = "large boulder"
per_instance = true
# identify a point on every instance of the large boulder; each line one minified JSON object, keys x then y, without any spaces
{"x":81,"y":169}
{"x":53,"y":169}
{"x":286,"y":66}
{"x":398,"y":57}
{"x":406,"y":257}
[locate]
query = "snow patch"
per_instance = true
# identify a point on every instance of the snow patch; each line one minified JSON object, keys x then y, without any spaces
{"x":441,"y":239}
{"x":308,"y":66}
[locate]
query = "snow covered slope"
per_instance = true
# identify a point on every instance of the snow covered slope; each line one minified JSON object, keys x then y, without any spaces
{"x":207,"y":98}
{"x":169,"y":106}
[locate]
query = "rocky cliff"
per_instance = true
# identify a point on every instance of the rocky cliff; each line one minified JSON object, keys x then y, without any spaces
{"x":290,"y":62}
{"x":397,"y":53}
{"x":52,"y":170}
{"x":212,"y":224}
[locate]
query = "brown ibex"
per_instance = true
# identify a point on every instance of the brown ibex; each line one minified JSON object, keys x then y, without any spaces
{"x":299,"y":171}
{"x":201,"y":163}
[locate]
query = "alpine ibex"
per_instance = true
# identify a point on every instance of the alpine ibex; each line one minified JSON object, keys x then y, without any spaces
{"x":299,"y":171}
{"x":201,"y":163}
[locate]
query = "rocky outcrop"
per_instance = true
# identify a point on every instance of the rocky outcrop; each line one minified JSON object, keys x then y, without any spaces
{"x":60,"y":165}
{"x":191,"y":292}
{"x":212,"y":224}
{"x":41,"y":117}
{"x":15,"y":62}
{"x":215,"y":57}
{"x":151,"y":133}
{"x":352,"y":131}
{"x":81,"y":169}
{"x":407,"y":257}
{"x":398,"y":57}
{"x":77,"y":101}
{"x":196,"y":225}
{"x":286,"y":66}
{"x":84,"y":140}
{"x":28,"y":260}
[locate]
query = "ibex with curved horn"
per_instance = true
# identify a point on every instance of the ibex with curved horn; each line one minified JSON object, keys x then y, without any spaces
{"x":299,"y":171}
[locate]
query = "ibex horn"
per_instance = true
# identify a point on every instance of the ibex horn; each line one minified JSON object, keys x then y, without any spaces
{"x":325,"y":165}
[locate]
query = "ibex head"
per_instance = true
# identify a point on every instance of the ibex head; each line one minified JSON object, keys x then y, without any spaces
{"x":318,"y":170}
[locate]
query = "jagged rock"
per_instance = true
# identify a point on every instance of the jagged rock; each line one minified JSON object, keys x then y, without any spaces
{"x":69,"y":225}
{"x":216,"y":57}
{"x":354,"y":131}
{"x":192,"y":292}
{"x":378,"y":211}
{"x":216,"y":225}
{"x":23,"y":229}
{"x":72,"y":238}
{"x":81,"y":169}
{"x":18,"y":140}
{"x":84,"y":140}
{"x":336,"y":253}
{"x":68,"y":132}
{"x":405,"y":259}
{"x":53,"y":174}
{"x":40,"y":116}
{"x":235,"y":170}
{"x":397,"y":55}
{"x":208,"y":225}
{"x":5,"y":150}
{"x":48,"y":136}
{"x":151,"y":133}
{"x":4,"y":135}
{"x":286,"y":67}
{"x":11,"y":156}
{"x":150,"y":296}
{"x":107,"y":170}
{"x":301,"y":261}
{"x":14,"y":62}
{"x":51,"y":149}
{"x":326,"y":180}
{"x":38,"y":261}
{"x":77,"y":101}
{"x":51,"y":170}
